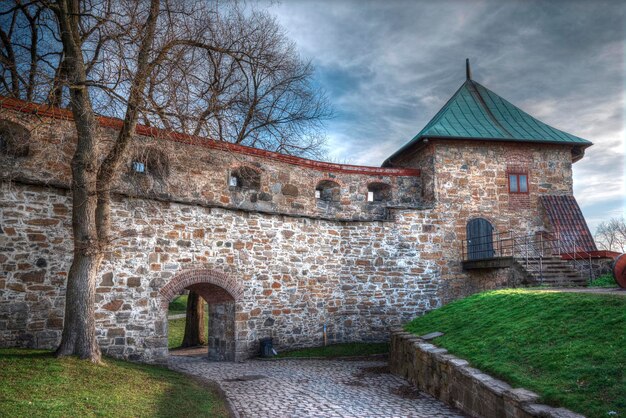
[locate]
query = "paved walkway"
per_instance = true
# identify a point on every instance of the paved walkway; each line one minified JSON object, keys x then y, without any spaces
{"x":314,"y":388}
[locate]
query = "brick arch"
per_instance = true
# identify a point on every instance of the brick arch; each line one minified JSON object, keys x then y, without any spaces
{"x":212,"y":285}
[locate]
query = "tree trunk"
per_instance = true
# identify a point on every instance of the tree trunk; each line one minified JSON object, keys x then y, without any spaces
{"x":79,"y":329}
{"x":194,"y":322}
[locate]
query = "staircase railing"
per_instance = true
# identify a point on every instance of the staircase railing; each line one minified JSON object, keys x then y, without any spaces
{"x":528,"y":248}
{"x":570,"y":250}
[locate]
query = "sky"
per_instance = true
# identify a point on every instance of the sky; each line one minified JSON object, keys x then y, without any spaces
{"x":389,"y":66}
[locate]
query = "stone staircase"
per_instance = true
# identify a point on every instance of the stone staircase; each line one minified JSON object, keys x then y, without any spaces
{"x":551,"y":271}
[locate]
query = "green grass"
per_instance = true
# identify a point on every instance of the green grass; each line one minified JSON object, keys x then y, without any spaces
{"x":339,"y":350}
{"x":606,"y":280}
{"x":567,"y":347}
{"x":176,"y":332}
{"x":35,"y":384}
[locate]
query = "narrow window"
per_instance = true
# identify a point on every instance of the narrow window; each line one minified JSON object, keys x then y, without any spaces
{"x":513,"y":183}
{"x":327,"y":190}
{"x":523,"y":183}
{"x":139,"y":167}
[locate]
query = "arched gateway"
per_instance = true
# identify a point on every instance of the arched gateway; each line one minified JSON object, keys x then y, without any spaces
{"x":221,"y":292}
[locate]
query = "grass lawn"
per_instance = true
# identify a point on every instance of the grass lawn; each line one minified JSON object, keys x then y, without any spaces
{"x":567,"y":347}
{"x":606,"y":280}
{"x":339,"y":350}
{"x":176,"y":332}
{"x":35,"y":384}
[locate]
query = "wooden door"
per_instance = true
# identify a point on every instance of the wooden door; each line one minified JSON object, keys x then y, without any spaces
{"x":479,"y":239}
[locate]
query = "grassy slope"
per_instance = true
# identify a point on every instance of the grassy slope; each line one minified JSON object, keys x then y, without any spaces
{"x":568,"y":347}
{"x":339,"y":350}
{"x":35,"y":384}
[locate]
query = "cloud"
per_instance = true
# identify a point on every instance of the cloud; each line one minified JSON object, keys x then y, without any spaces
{"x":389,"y":66}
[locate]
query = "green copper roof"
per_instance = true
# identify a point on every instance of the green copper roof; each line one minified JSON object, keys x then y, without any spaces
{"x":475,"y":112}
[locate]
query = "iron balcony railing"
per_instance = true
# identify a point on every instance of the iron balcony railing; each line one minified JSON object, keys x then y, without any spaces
{"x":531,"y":249}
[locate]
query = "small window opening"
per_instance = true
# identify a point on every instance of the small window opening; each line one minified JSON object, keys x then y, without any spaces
{"x":14,"y":140}
{"x":245,"y":178}
{"x":138,"y":167}
{"x":150,"y":161}
{"x":518,"y":183}
{"x":378,"y":192}
{"x":327,"y":190}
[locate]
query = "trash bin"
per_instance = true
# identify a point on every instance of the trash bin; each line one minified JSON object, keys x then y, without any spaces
{"x":266,"y":347}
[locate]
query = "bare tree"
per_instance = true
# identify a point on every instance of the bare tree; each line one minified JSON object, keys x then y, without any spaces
{"x":158,"y":62}
{"x":611,"y":235}
{"x":266,"y":101}
{"x":30,"y":52}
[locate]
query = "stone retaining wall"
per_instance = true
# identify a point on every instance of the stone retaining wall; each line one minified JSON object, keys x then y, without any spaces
{"x":451,"y":380}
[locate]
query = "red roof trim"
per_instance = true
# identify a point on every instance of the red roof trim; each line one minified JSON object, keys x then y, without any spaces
{"x":65,"y":114}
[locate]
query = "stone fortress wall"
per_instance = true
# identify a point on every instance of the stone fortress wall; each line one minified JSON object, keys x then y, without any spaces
{"x":270,"y":257}
{"x":301,"y":262}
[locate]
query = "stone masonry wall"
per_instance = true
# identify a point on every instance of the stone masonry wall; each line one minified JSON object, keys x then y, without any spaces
{"x":297,"y":274}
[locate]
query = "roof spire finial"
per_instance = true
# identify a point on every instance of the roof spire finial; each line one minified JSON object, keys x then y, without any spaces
{"x":468,"y":70}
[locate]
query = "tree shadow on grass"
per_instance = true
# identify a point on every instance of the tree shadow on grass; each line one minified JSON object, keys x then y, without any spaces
{"x":21,"y":353}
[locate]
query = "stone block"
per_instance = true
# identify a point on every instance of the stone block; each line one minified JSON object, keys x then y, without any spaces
{"x":116,"y":332}
{"x":133,"y":282}
{"x":107,"y":279}
{"x":32,"y":276}
{"x":113,"y":305}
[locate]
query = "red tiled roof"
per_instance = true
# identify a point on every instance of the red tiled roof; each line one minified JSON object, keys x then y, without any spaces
{"x":115,"y":123}
{"x":568,"y":221}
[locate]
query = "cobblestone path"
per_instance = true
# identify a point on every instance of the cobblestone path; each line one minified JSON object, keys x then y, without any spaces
{"x":314,"y":388}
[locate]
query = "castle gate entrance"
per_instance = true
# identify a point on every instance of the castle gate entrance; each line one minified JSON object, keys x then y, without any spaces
{"x":221,"y":294}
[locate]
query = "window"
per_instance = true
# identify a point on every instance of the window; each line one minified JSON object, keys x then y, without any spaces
{"x":378,"y":192}
{"x":327,"y":190}
{"x":14,"y":140}
{"x":518,"y":183}
{"x":138,"y":167}
{"x":244,"y":178}
{"x":150,"y":161}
